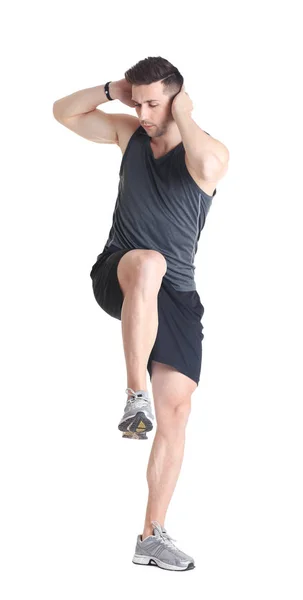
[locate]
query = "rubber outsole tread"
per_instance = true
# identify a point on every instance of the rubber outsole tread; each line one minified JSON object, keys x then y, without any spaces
{"x":132,"y":424}
{"x":152,"y":563}
{"x":134,"y":436}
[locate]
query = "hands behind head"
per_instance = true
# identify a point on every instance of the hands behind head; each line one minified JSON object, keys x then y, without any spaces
{"x":181,"y":103}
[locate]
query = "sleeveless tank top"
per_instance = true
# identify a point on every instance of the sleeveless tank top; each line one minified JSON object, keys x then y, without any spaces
{"x":160,"y":207}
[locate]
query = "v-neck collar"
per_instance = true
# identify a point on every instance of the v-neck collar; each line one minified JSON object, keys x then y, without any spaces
{"x":160,"y":158}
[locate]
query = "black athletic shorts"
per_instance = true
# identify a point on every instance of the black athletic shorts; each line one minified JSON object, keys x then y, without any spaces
{"x":179,"y":337}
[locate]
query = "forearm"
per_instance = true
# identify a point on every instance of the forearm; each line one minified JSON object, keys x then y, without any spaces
{"x":82,"y":102}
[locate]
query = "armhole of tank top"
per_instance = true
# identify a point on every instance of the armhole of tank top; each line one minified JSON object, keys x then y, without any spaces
{"x":127,"y":148}
{"x":215,"y":190}
{"x":207,"y":199}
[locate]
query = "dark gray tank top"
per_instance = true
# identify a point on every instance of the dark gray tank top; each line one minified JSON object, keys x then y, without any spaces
{"x":159,"y":207}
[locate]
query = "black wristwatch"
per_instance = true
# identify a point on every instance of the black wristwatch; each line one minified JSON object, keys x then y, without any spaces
{"x":107,"y":90}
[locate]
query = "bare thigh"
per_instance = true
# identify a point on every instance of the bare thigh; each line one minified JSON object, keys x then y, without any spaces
{"x":172,"y":391}
{"x":141,"y":264}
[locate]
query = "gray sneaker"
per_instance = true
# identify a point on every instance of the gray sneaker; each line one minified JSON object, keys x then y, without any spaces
{"x":158,"y":550}
{"x":137,"y":418}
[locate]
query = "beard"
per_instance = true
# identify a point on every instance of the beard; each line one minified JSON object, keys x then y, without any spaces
{"x":159,"y":130}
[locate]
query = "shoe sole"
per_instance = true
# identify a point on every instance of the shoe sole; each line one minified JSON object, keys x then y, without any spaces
{"x":134,"y":436}
{"x":138,"y":424}
{"x":155,"y":562}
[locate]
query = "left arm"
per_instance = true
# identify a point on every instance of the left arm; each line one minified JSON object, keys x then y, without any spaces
{"x":207,"y":156}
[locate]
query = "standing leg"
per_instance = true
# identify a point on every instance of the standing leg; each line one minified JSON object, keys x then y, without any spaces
{"x":172,"y":393}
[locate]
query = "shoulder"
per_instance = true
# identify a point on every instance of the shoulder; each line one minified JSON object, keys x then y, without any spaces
{"x":126,"y":126}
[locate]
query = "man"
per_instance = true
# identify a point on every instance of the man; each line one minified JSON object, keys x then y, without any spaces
{"x":145,"y":274}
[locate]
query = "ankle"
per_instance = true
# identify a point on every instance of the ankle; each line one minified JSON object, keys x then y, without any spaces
{"x":141,"y":389}
{"x":146,"y":533}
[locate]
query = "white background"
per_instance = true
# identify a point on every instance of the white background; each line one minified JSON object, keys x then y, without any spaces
{"x":74,"y":492}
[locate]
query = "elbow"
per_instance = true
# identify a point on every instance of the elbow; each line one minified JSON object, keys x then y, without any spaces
{"x":55,"y":111}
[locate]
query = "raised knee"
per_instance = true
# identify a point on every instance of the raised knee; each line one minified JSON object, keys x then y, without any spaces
{"x":137,"y":263}
{"x":152,"y":260}
{"x":140,"y":264}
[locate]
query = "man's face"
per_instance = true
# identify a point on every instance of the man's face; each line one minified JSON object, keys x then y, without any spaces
{"x":152,"y":107}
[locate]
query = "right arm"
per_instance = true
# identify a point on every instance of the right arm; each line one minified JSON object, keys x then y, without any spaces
{"x":78,"y":112}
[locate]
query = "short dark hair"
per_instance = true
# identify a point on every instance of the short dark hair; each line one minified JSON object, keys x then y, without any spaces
{"x":156,"y":68}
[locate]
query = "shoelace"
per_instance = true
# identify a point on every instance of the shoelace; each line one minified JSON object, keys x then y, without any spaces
{"x":167,"y":539}
{"x":140,"y":402}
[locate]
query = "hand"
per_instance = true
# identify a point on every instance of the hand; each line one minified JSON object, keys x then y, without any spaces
{"x":122,"y":90}
{"x":181,"y":103}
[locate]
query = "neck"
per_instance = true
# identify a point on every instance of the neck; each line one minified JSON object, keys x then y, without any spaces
{"x":166,"y":138}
